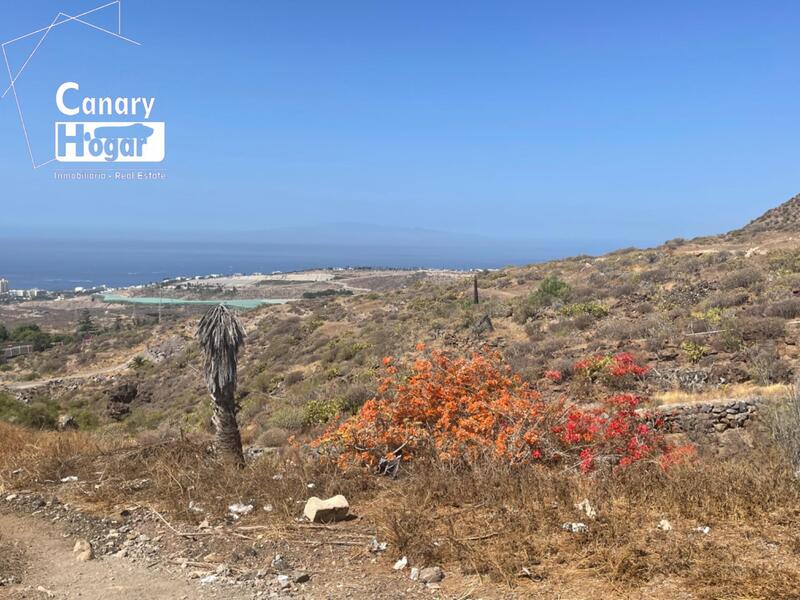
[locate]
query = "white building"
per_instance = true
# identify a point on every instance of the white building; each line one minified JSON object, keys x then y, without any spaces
{"x":4,"y":286}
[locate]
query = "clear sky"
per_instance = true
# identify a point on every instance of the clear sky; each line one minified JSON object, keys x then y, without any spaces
{"x":612,"y":120}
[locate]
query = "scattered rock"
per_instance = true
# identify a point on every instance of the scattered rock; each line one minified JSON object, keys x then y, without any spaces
{"x":278,"y":563}
{"x":375,"y":546}
{"x":431,"y":575}
{"x":414,"y":574}
{"x":284,"y":582}
{"x":83,"y":550}
{"x":69,"y":479}
{"x":209,"y":578}
{"x":575,"y":527}
{"x":325,"y":511}
{"x":67,"y":423}
{"x":664,"y":525}
{"x":45,"y":591}
{"x":704,"y":529}
{"x":301,"y":577}
{"x":400,"y":564}
{"x":239,"y":509}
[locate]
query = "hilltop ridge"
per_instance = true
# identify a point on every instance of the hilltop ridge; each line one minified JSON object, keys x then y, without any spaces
{"x":784,"y":217}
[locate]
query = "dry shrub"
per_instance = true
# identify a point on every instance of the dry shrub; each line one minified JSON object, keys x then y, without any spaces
{"x":45,"y":456}
{"x":765,"y":365}
{"x":785,"y":309}
{"x":783,"y":423}
{"x":629,"y":329}
{"x":743,"y":278}
{"x":497,"y":521}
{"x":169,"y":473}
{"x":727,"y":299}
{"x":759,"y":328}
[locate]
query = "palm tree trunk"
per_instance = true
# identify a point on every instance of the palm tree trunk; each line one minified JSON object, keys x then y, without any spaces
{"x":229,"y":441}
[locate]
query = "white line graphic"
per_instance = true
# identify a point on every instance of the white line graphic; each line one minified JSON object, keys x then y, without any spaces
{"x":45,"y":31}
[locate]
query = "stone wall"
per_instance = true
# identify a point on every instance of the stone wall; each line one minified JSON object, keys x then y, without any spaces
{"x":709,"y":417}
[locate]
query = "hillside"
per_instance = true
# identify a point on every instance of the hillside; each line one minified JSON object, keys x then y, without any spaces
{"x":785,"y":217}
{"x":713,"y":319}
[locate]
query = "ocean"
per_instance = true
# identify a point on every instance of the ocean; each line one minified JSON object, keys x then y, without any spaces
{"x":65,"y":264}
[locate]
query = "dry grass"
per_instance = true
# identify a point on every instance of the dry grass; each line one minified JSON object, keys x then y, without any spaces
{"x":499,"y":523}
{"x":737,"y":391}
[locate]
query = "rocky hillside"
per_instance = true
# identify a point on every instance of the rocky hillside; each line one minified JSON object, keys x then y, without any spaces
{"x":785,"y":217}
{"x":713,"y":317}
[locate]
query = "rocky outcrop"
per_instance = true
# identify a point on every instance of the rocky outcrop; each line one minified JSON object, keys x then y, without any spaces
{"x":120,"y":399}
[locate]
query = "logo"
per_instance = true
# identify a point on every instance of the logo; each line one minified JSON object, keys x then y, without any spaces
{"x":108,"y":141}
{"x":107,"y":129}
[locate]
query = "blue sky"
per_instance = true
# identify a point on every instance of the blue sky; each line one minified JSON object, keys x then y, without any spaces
{"x":624,"y":121}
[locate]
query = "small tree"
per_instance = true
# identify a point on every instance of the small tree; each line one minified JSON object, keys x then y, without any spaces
{"x":85,"y":323}
{"x":221,"y":336}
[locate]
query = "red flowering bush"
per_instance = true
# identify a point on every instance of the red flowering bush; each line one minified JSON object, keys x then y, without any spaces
{"x":614,"y":370}
{"x":459,"y":409}
{"x":554,"y":375}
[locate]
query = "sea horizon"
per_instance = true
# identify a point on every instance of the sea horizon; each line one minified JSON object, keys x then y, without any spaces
{"x":54,"y":265}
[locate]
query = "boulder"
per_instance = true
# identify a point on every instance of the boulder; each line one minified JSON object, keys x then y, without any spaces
{"x":431,"y":575}
{"x":83,"y":551}
{"x":326,"y":511}
{"x":67,"y":423}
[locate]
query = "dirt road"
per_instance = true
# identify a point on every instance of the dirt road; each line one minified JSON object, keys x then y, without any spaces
{"x":36,"y":555}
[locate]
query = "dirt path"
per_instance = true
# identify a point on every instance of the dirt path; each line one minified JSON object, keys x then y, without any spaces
{"x":37,"y":555}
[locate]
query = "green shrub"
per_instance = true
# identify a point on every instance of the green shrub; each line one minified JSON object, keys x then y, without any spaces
{"x":319,"y":412}
{"x":550,"y":290}
{"x":292,"y":418}
{"x":39,"y":414}
{"x":693,"y":351}
{"x":592,"y":309}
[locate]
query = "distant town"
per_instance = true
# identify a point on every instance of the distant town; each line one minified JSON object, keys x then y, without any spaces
{"x":9,"y":294}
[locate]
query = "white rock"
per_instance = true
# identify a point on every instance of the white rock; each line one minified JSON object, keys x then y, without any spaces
{"x":664,"y":525}
{"x":239,"y":509}
{"x":325,"y":511}
{"x":400,"y":564}
{"x":704,"y":529}
{"x":83,"y":550}
{"x":414,"y":574}
{"x":575,"y":527}
{"x":209,"y":579}
{"x":376,"y":546}
{"x":586,"y":508}
{"x":68,"y":479}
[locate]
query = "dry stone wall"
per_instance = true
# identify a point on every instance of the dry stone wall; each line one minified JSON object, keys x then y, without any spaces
{"x":709,"y":417}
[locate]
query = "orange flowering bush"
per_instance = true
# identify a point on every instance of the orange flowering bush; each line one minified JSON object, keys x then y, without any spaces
{"x":460,"y":409}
